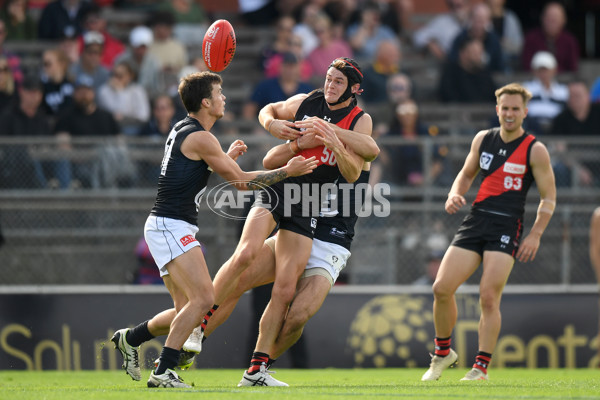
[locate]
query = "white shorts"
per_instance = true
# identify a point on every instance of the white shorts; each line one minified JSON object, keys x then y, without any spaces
{"x":326,"y":259}
{"x":168,"y":238}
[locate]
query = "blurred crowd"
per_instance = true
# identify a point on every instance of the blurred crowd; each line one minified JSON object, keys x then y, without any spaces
{"x":90,"y":82}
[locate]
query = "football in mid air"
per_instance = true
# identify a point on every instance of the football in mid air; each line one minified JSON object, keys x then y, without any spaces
{"x":218,"y":46}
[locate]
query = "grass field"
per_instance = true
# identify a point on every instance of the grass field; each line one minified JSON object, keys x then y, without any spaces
{"x":314,"y":384}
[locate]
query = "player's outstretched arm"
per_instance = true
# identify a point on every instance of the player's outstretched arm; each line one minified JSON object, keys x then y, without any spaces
{"x":276,"y":117}
{"x":204,"y":145}
{"x":465,"y":177}
{"x":544,"y":180}
{"x":359,"y":139}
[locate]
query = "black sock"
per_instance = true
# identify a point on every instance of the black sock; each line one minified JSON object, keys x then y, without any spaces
{"x":139,"y":334}
{"x":168,"y":360}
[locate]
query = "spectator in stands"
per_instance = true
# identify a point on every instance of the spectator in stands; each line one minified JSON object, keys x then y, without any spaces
{"x":395,"y":14}
{"x":281,"y":43}
{"x":170,"y":52}
{"x":386,"y":63}
{"x":62,"y":18}
{"x":468,"y":80}
{"x":364,"y":36}
{"x":295,"y":46}
{"x":58,"y":88}
{"x":190,"y":20}
{"x":306,"y":28}
{"x":480,"y":27}
{"x":439,"y":33}
{"x":162,"y":120}
{"x":146,"y":66}
{"x":125,"y":99}
{"x":26,"y":117}
{"x":553,"y":37}
{"x":508,"y":28}
{"x":8,"y":92}
{"x":89,"y":61}
{"x":19,"y":24}
{"x":94,"y":21}
{"x":70,"y":46}
{"x":85,"y":118}
{"x":272,"y":90}
{"x":328,"y":47}
{"x":581,"y":116}
{"x":595,"y":91}
{"x":14,"y":62}
{"x":549,"y":96}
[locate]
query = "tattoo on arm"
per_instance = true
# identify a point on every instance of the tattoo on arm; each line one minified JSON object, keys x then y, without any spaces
{"x":266,"y":179}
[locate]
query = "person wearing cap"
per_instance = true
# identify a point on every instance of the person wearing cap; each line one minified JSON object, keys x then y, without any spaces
{"x":272,"y":90}
{"x":89,"y":63}
{"x":553,"y":37}
{"x":549,"y":95}
{"x":93,"y":20}
{"x":145,"y":65}
{"x":26,"y":117}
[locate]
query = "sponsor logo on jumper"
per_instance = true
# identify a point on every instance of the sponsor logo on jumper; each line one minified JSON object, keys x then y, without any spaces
{"x":513,"y":168}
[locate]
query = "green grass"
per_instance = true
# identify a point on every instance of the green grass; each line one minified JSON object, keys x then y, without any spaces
{"x":313,"y":384}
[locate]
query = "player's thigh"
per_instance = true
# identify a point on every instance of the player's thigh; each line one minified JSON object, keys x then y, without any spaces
{"x":259,"y":224}
{"x":189,"y":276}
{"x":292,"y":251}
{"x":310,"y":295}
{"x":457,"y":266}
{"x":497,"y":266}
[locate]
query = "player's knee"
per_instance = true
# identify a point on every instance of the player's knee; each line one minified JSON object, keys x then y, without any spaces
{"x":203,"y":300}
{"x":442,"y":291}
{"x":283,"y":293}
{"x":489,"y":300}
{"x":296,"y":320}
{"x":244,"y":257}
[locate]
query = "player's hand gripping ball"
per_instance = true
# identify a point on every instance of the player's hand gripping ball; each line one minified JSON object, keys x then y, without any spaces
{"x":218,"y":46}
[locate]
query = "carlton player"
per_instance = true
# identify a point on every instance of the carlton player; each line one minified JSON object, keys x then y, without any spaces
{"x":509,"y":159}
{"x":334,"y":106}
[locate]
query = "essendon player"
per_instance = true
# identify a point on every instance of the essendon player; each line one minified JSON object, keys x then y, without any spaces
{"x":509,"y":160}
{"x":333,"y":107}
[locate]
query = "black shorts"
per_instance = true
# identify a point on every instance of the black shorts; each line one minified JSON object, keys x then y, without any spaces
{"x":482,"y":231}
{"x":292,"y":219}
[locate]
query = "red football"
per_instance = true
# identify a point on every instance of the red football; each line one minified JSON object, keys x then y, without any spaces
{"x":218,"y":46}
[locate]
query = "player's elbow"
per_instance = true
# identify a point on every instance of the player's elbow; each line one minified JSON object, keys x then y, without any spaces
{"x":371,"y":153}
{"x":269,"y":162}
{"x":352,"y":177}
